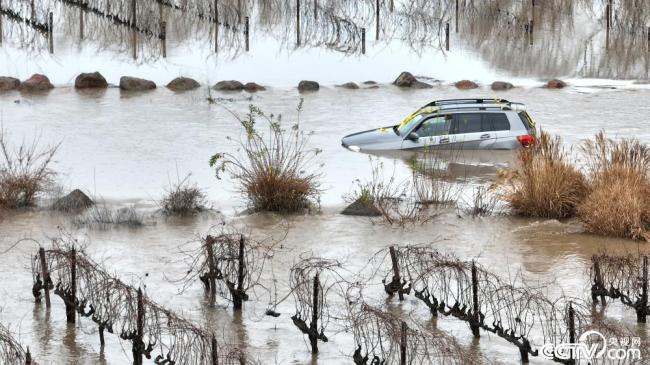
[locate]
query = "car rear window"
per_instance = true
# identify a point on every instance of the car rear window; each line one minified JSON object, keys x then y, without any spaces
{"x":528,"y":123}
{"x":479,"y":122}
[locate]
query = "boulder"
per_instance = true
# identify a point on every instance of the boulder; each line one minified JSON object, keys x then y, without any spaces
{"x":555,"y":84}
{"x":75,"y":201}
{"x":128,"y":83}
{"x":36,"y":83}
{"x":252,"y":87}
{"x":93,"y":80}
{"x":8,"y":83}
{"x":501,"y":85}
{"x":305,"y":85}
{"x":370,"y":82}
{"x":406,"y":79}
{"x":183,"y":84}
{"x":466,"y":85}
{"x":228,"y":85}
{"x":361,"y":208}
{"x":349,"y":85}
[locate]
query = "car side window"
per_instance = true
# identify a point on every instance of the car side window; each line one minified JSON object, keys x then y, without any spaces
{"x":466,"y":123}
{"x":495,"y":122}
{"x":436,"y":126}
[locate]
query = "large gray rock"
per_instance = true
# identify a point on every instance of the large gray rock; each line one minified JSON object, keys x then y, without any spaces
{"x":36,"y":83}
{"x":8,"y":83}
{"x":183,"y":84}
{"x":407,"y":80}
{"x":501,"y":86}
{"x":252,"y":87}
{"x":306,"y":85}
{"x":555,"y":84}
{"x":361,"y":208}
{"x":129,"y":83}
{"x":73,"y":202}
{"x":93,"y":80}
{"x":228,"y":85}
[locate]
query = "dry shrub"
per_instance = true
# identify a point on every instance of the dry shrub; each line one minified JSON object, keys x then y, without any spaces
{"x":183,"y":198}
{"x":102,"y":217}
{"x":275,"y":171}
{"x":24,"y":172}
{"x":545,"y":185}
{"x":618,"y":202}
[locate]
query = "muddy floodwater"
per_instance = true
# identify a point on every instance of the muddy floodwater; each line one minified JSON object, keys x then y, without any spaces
{"x":126,"y":148}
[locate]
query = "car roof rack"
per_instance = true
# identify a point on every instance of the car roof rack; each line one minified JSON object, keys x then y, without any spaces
{"x":467,"y":101}
{"x":450,"y":104}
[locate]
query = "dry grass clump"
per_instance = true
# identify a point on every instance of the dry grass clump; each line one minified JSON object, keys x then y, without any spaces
{"x":103,"y":217}
{"x":183,"y":199}
{"x":275,"y":170}
{"x":546,"y":185}
{"x":618,"y":202}
{"x":24,"y":172}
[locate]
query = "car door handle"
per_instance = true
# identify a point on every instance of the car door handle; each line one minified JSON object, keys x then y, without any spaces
{"x":485,"y":136}
{"x":444,"y":140}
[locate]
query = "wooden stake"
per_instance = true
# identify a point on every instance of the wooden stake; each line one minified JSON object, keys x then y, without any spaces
{"x":402,"y":344}
{"x":163,"y":38}
{"x":238,"y":299}
{"x":134,"y":34}
{"x":377,"y":18}
{"x":28,"y":357}
{"x":313,"y":326}
{"x":572,"y":327}
{"x":298,"y":23}
{"x":530,"y":34}
{"x":396,"y":275}
{"x":70,"y":310}
{"x":475,"y":304}
{"x":247,"y":32}
{"x":456,"y":16}
{"x":50,"y":28}
{"x":363,"y":40}
{"x":213,"y":351}
{"x":598,"y":282}
{"x":45,"y":274}
{"x":81,"y":24}
{"x":216,"y":25}
{"x":447,"y":36}
{"x":138,"y":344}
{"x":0,"y":24}
{"x":315,"y":9}
{"x":212,"y":271}
{"x":642,"y":312}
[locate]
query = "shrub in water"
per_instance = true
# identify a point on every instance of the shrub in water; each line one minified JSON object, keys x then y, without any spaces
{"x":273,"y":170}
{"x":546,"y":184}
{"x":618,"y":201}
{"x":183,"y":198}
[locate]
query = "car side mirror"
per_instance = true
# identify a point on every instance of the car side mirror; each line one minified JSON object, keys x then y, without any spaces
{"x":413,"y":136}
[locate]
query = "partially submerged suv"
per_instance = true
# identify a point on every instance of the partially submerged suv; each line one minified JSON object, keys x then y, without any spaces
{"x":453,"y":124}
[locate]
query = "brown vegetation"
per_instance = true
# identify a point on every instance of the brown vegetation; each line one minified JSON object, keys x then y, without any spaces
{"x":274,"y":171}
{"x":618,"y":202}
{"x":24,"y":172}
{"x":183,"y":199}
{"x":545,"y":185}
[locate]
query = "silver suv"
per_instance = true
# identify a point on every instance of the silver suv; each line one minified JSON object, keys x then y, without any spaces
{"x":453,"y":124}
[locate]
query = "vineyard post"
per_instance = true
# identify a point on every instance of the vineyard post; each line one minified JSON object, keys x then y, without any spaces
{"x":572,"y":329}
{"x":45,"y":275}
{"x":608,"y":11}
{"x":81,"y":23}
{"x":50,"y":30}
{"x":598,"y":282}
{"x":642,"y":312}
{"x":530,"y":34}
{"x":315,"y":9}
{"x":475,"y":305}
{"x":28,"y":357}
{"x":163,"y":37}
{"x":363,"y":40}
{"x":239,"y":296}
{"x":447,"y":36}
{"x":247,"y":32}
{"x":213,"y":351}
{"x":0,"y":24}
{"x":70,"y":310}
{"x":377,"y":19}
{"x":298,"y":23}
{"x":134,"y":23}
{"x":313,"y":326}
{"x":212,"y":271}
{"x":216,"y":26}
{"x":402,"y":344}
{"x":456,"y":16}
{"x":648,"y":32}
{"x":396,"y":276}
{"x":138,"y":344}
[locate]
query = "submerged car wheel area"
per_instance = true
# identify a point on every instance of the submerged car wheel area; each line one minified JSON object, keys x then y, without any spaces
{"x":471,"y":124}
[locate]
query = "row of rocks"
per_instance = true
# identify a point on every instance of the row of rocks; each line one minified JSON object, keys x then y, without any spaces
{"x":95,"y":80}
{"x":407,"y":80}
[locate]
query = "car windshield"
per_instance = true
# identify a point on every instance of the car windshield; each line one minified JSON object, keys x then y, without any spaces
{"x":408,"y":124}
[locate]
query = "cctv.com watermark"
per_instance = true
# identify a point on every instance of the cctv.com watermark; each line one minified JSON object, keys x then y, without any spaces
{"x":592,"y":345}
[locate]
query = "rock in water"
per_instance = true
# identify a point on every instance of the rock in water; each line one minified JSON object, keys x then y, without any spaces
{"x":466,"y":85}
{"x":8,"y":83}
{"x":93,"y":80}
{"x":36,"y":83}
{"x":556,"y":84}
{"x":183,"y":84}
{"x":350,"y":85}
{"x":501,"y":85}
{"x":228,"y":85}
{"x":252,"y":87}
{"x":306,"y":85}
{"x":361,"y":208}
{"x":75,"y":201}
{"x":406,"y":79}
{"x":128,"y":83}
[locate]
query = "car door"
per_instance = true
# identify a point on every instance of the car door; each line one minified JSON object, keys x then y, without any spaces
{"x":430,"y":133}
{"x":471,"y":131}
{"x":502,"y":130}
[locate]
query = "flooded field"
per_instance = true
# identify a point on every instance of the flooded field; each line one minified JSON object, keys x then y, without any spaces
{"x":125,"y":149}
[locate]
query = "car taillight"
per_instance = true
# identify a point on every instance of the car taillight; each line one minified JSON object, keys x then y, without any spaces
{"x":526,"y":140}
